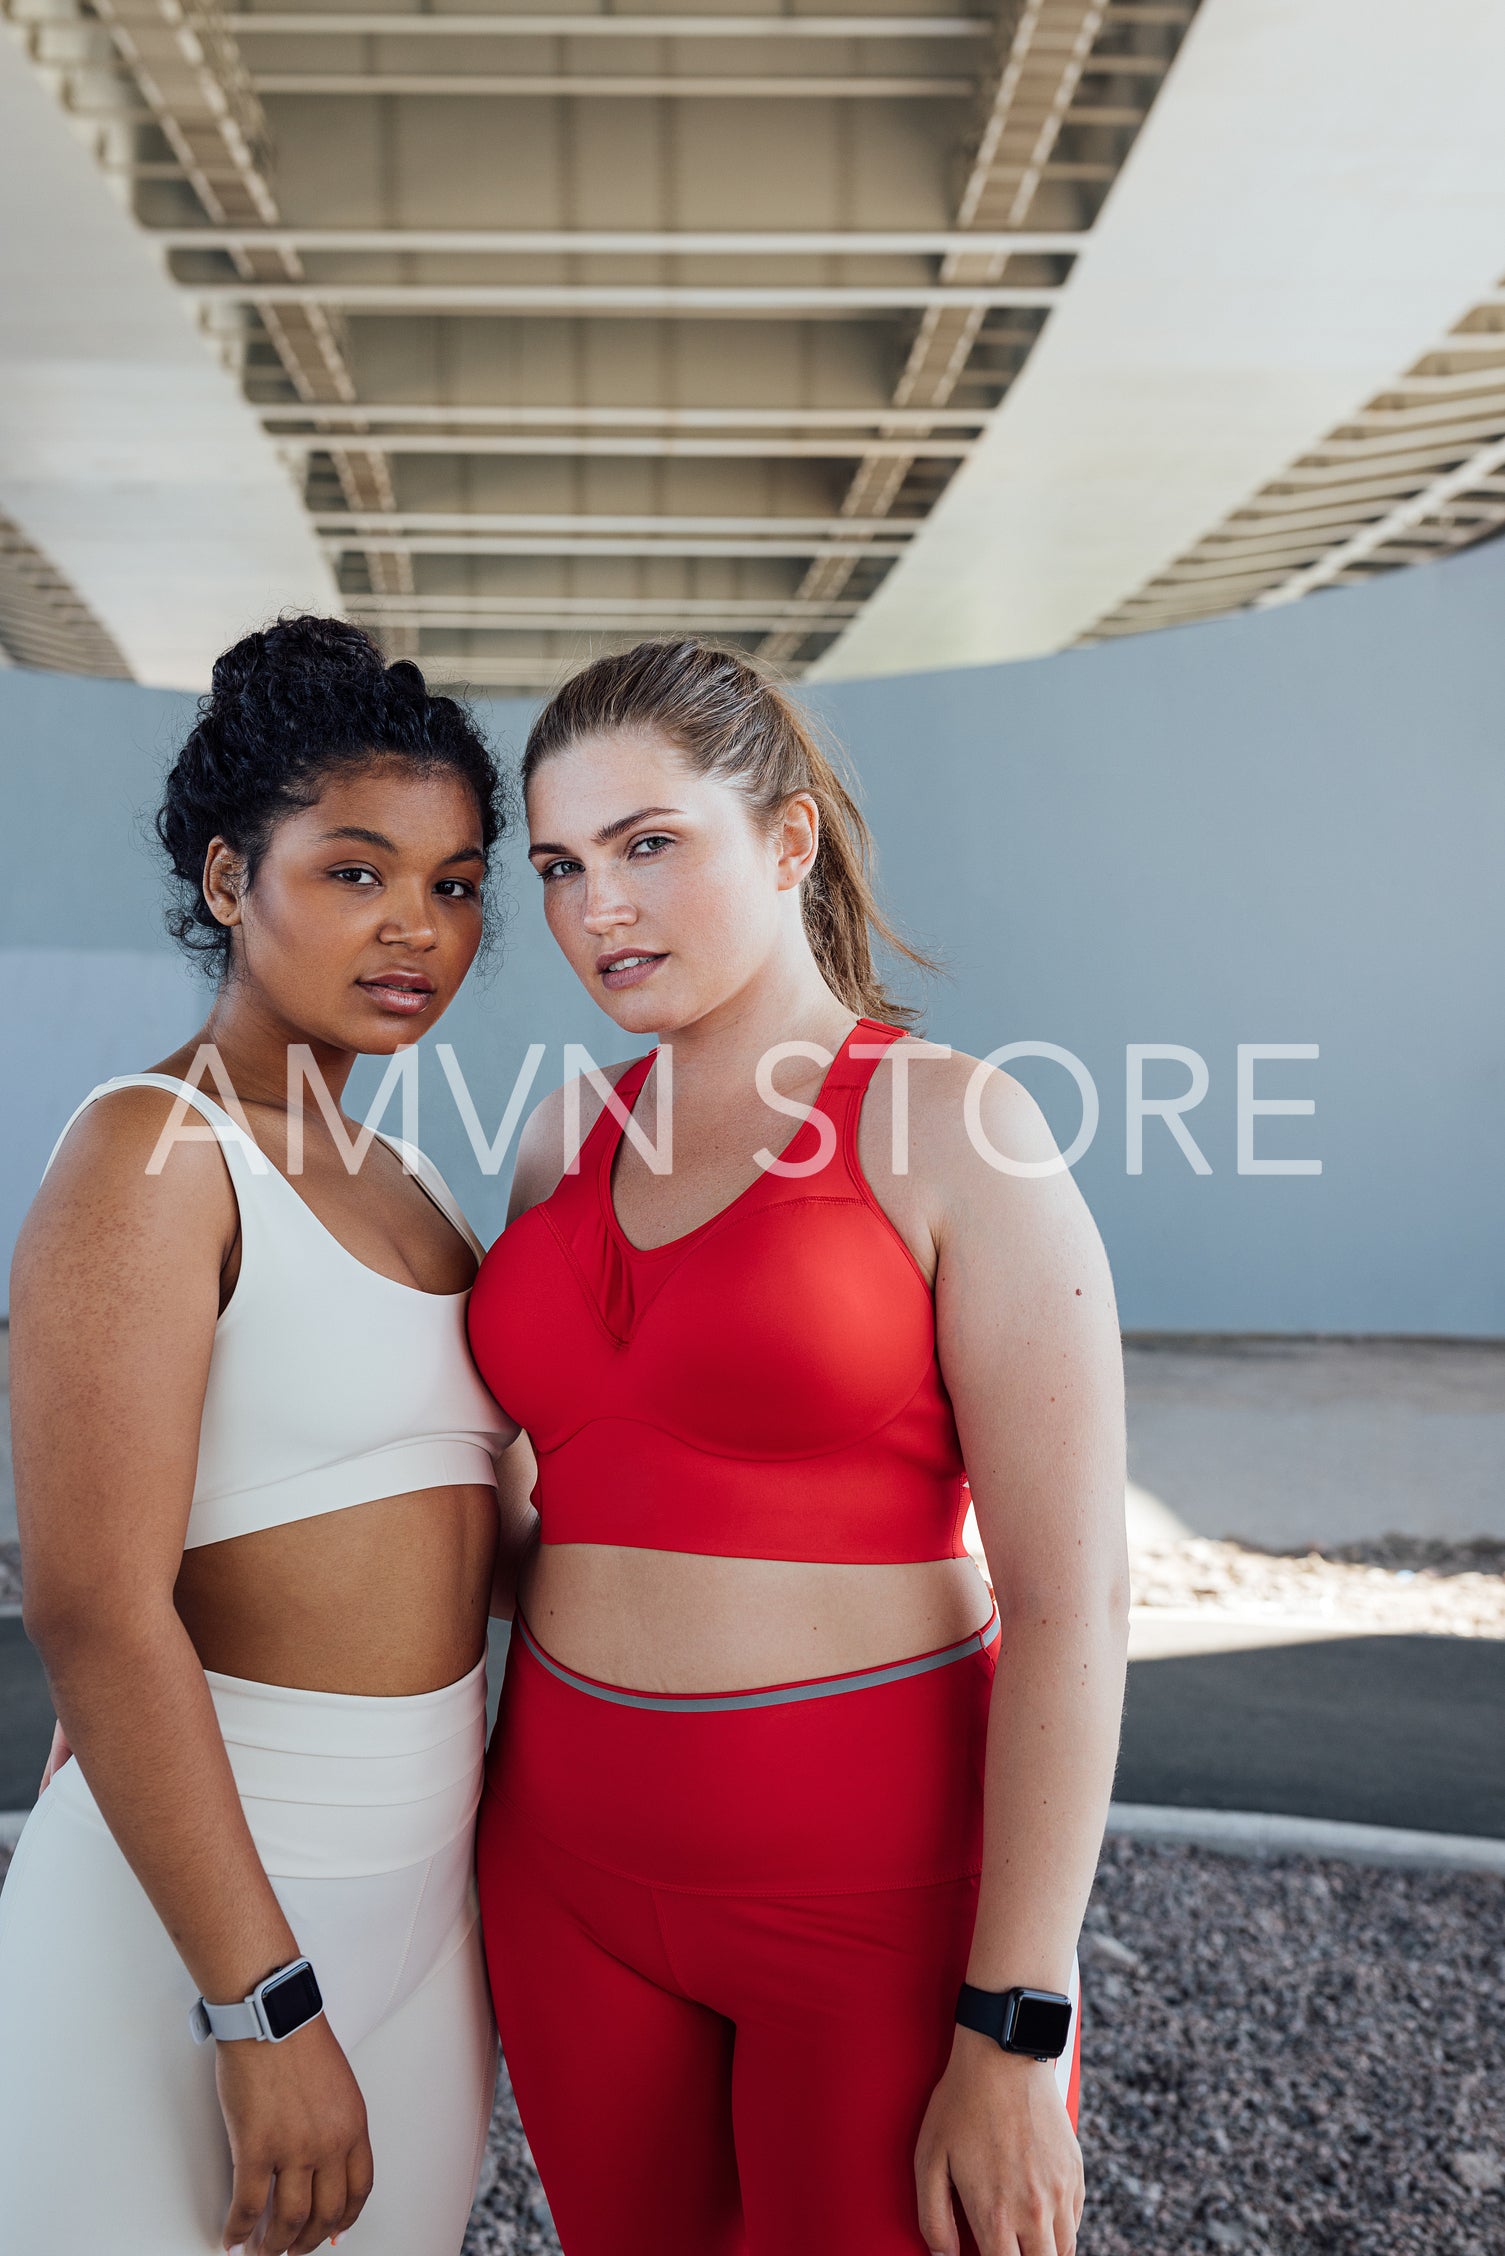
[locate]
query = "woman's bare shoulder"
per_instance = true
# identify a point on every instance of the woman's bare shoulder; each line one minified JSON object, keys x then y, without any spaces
{"x":956,"y":1113}
{"x":127,"y":1166}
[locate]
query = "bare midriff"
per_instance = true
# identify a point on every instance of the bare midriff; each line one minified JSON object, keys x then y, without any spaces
{"x":388,"y":1598}
{"x":673,"y":1621}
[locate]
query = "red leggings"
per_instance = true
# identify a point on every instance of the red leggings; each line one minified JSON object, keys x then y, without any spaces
{"x":725,"y":1950}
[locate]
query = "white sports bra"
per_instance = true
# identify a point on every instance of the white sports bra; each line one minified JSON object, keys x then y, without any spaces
{"x":329,"y":1384}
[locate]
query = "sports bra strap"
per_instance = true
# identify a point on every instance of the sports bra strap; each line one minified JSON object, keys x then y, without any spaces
{"x":846,"y":1085}
{"x":840,"y":1096}
{"x":237,"y":1142}
{"x":606,"y":1131}
{"x":429,"y":1179}
{"x":229,"y":1133}
{"x":846,"y":1079}
{"x":861,"y":1055}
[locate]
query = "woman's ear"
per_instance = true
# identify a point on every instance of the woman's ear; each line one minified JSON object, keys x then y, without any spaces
{"x":224,"y":881}
{"x":797,"y":839}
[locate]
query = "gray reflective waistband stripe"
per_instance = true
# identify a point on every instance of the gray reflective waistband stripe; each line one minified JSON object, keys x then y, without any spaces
{"x":771,"y":1696}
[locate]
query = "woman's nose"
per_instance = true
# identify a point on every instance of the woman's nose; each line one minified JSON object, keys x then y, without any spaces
{"x":605,"y":905}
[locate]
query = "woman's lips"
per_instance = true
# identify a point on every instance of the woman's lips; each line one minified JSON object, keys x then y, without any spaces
{"x":629,"y":971}
{"x":398,"y":995}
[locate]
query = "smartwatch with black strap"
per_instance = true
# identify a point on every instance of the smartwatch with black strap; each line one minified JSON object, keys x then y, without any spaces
{"x":1036,"y":2023}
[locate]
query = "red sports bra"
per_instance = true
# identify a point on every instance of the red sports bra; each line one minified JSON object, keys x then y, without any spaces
{"x":764,"y":1387}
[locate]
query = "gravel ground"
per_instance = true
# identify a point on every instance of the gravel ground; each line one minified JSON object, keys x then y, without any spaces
{"x":1292,"y":2056}
{"x":511,"y":2216}
{"x":10,"y":1574}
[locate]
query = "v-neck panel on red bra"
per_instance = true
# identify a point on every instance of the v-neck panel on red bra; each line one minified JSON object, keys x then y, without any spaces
{"x":613,"y":1131}
{"x":623,"y":1281}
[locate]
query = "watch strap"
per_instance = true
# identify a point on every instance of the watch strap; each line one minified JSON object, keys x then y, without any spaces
{"x":993,"y":2013}
{"x":986,"y":2011}
{"x":247,"y":2018}
{"x":226,"y":2023}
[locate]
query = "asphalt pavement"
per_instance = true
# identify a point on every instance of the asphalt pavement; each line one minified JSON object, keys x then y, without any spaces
{"x":25,"y":1717}
{"x":1402,"y":1731}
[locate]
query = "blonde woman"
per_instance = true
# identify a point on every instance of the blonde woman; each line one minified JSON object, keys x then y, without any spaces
{"x":779,"y":1797}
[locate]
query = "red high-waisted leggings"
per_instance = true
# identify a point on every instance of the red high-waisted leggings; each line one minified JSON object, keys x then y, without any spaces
{"x":725,"y":1948}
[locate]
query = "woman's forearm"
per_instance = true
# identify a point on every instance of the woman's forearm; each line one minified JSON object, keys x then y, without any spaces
{"x":1052,"y":1744}
{"x":132,"y":1698}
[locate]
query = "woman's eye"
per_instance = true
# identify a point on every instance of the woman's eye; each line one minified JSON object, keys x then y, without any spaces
{"x":551,"y":871}
{"x":457,"y":889}
{"x":356,"y":876}
{"x":652,"y":840}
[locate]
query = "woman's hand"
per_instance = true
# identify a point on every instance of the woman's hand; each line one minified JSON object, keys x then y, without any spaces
{"x":298,"y":2142}
{"x":997,"y":2132}
{"x":59,"y":1753}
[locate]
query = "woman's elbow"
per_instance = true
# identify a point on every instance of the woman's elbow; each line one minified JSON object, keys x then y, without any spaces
{"x":1096,"y":1597}
{"x":52,"y":1611}
{"x":69,"y":1618}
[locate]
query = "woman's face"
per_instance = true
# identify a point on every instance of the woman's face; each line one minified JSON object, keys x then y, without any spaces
{"x":365,"y":912}
{"x":664,"y":892}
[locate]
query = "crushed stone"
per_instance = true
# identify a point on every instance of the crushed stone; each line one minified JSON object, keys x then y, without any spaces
{"x":1308,"y":2059}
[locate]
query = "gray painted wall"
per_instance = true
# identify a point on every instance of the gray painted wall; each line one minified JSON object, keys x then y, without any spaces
{"x":1283,"y":828}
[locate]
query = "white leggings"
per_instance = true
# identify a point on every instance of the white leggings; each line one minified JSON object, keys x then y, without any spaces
{"x":363,"y":1812}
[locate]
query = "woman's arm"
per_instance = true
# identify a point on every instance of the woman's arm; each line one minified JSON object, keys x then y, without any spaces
{"x":1030,"y":1351}
{"x":115,"y":1296}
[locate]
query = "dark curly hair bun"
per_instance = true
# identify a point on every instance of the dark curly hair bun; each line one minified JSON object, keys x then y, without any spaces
{"x":288,"y":708}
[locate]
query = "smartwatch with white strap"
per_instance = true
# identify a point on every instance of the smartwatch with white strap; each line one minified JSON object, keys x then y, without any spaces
{"x":285,"y":2002}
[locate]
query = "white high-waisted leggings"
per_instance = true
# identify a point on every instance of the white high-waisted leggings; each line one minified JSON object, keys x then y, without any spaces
{"x":363,"y":1812}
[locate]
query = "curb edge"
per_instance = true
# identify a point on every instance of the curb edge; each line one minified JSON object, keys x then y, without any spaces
{"x":1257,"y":1833}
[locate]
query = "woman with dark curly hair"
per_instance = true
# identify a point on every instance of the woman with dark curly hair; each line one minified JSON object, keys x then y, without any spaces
{"x":254,"y":1473}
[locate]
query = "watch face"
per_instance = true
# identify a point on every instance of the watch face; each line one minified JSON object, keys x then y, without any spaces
{"x":291,"y":2001}
{"x":1041,"y":2025}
